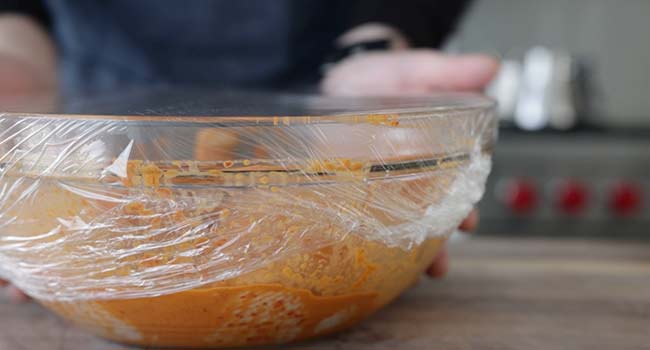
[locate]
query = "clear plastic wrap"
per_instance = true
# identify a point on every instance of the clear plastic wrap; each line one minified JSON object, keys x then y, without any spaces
{"x":328,"y":198}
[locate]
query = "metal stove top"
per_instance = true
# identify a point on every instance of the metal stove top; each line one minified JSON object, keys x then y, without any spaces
{"x":585,"y":183}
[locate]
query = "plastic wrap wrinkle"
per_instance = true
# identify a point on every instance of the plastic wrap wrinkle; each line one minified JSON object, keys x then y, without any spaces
{"x":82,"y":219}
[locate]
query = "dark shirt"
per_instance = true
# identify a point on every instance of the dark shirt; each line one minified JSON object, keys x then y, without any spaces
{"x":260,"y":43}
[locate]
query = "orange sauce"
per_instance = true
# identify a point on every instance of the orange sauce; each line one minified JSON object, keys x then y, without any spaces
{"x":308,"y":293}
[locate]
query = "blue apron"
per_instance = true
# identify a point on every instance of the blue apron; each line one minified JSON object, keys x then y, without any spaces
{"x":111,"y":44}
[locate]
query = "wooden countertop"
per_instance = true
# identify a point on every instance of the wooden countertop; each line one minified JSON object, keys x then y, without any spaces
{"x":501,"y":294}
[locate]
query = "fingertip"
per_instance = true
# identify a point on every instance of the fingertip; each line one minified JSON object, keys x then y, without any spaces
{"x":16,"y":296}
{"x":439,"y":71}
{"x":488,"y":62}
{"x":470,"y":223}
{"x":440,"y":265}
{"x":480,"y":69}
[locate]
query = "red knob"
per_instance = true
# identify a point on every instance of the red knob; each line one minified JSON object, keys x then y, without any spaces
{"x":572,"y":197}
{"x":625,"y":199}
{"x":520,"y":196}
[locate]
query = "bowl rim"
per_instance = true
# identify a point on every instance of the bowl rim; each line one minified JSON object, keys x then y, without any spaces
{"x":444,"y":103}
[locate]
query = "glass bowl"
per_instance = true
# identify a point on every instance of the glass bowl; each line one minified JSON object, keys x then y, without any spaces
{"x":207,"y":219}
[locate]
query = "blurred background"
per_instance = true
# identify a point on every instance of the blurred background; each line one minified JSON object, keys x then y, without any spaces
{"x":574,"y":94}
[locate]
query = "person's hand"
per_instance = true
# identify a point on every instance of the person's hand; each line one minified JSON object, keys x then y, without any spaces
{"x":440,"y":264}
{"x":27,"y":57}
{"x":12,"y":292}
{"x":407,"y":72}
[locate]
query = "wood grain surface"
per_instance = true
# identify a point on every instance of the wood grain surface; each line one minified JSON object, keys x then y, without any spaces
{"x":500,"y":294}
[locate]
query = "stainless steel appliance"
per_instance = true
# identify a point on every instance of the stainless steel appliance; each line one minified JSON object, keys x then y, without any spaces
{"x":610,"y":37}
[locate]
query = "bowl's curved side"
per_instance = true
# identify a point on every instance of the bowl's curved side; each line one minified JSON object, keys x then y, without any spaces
{"x":327,"y":279}
{"x":245,"y":312}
